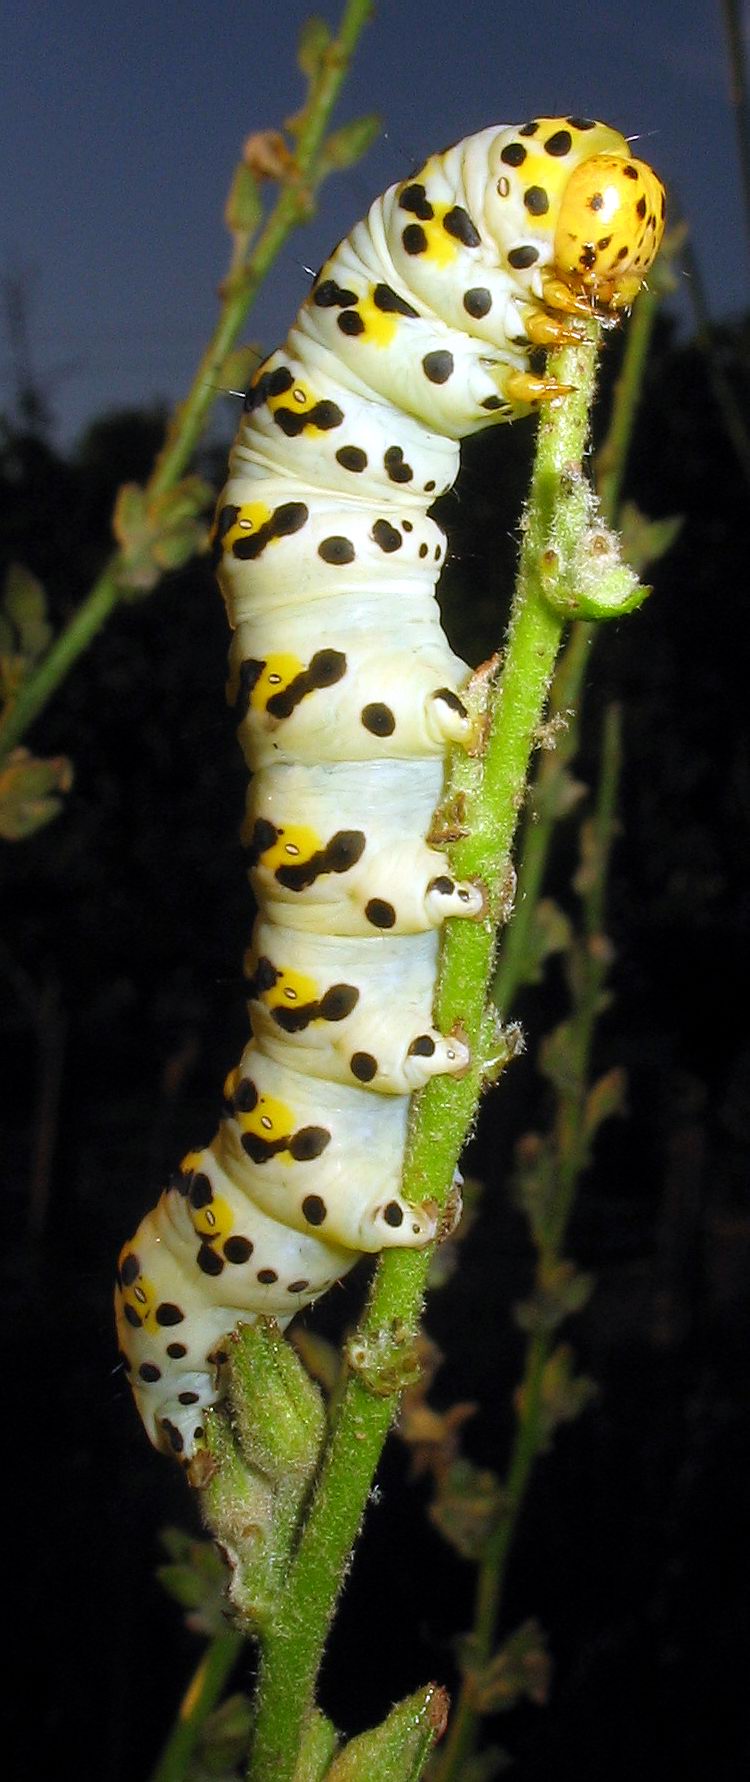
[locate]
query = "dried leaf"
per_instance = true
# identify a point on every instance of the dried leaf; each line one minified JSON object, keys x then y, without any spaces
{"x":267,"y":155}
{"x":158,"y":533}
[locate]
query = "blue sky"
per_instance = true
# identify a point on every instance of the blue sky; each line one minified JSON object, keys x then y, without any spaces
{"x":123,"y":125}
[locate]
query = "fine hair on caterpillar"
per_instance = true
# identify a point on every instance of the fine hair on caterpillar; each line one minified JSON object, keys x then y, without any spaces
{"x":418,"y":331}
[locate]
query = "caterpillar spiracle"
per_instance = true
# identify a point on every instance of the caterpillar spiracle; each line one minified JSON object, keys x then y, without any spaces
{"x":416,"y":332}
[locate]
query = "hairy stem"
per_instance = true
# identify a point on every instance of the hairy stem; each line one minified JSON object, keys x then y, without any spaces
{"x":189,"y":419}
{"x":444,"y":1110}
{"x":516,"y":951}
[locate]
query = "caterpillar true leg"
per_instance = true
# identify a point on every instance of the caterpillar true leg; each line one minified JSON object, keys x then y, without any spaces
{"x":417,"y":331}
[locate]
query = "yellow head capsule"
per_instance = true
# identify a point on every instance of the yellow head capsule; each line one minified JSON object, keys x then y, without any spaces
{"x":609,"y":229}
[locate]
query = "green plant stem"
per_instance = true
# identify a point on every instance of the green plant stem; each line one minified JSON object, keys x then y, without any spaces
{"x":201,"y":1696}
{"x":570,"y":1146}
{"x":443,"y":1111}
{"x":292,"y":206}
{"x":516,"y":949}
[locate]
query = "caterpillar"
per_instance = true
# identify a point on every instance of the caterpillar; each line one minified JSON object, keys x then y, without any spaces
{"x":419,"y":330}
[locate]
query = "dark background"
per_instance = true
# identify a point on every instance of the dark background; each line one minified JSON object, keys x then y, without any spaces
{"x":123,"y":925}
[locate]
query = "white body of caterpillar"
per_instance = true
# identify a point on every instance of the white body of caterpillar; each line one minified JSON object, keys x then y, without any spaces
{"x":417,"y":332}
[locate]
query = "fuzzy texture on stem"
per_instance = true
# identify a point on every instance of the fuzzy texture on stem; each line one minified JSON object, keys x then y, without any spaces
{"x":557,"y":513}
{"x":516,"y":957}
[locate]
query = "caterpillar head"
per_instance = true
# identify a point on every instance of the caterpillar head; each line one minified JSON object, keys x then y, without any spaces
{"x":578,"y":220}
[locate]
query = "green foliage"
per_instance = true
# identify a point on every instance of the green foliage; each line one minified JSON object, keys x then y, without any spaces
{"x":467,"y":1507}
{"x":345,"y":147}
{"x":398,"y":1750}
{"x":239,"y":1505}
{"x":31,"y":790}
{"x":196,"y":1578}
{"x":243,"y":212}
{"x":644,"y":541}
{"x":317,"y":1747}
{"x":312,"y":46}
{"x":560,"y":1291}
{"x":25,"y":629}
{"x":519,"y":1670}
{"x":222,"y":1742}
{"x":158,"y":532}
{"x":278,"y":1411}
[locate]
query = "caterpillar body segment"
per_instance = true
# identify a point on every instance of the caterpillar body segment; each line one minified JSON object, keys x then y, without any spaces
{"x":329,"y":1014}
{"x":417,"y":331}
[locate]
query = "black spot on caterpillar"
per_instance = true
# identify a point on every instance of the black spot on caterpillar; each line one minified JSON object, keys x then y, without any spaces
{"x":324,"y":550}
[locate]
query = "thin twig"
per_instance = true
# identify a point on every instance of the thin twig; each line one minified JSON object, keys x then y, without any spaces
{"x":292,"y":206}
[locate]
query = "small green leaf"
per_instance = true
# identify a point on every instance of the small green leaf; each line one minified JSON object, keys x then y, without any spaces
{"x":312,"y":43}
{"x":344,"y":147}
{"x":278,"y":1410}
{"x":467,"y":1507}
{"x":158,"y":533}
{"x":25,"y":611}
{"x":560,"y":1290}
{"x":549,"y":932}
{"x":558,"y":1059}
{"x":238,"y":367}
{"x":644,"y":541}
{"x":224,"y":1737}
{"x":519,"y":1671}
{"x":239,"y":1506}
{"x":243,"y":211}
{"x":557,"y":794}
{"x":536,"y":1181}
{"x":317,"y":1748}
{"x":605,"y":1099}
{"x":398,"y":1750}
{"x":31,"y":792}
{"x":196,"y":1578}
{"x":564,"y":1394}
